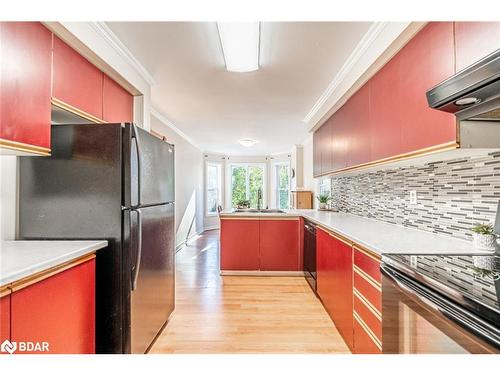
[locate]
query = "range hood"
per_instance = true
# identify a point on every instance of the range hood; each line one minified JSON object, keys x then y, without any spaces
{"x":471,"y":94}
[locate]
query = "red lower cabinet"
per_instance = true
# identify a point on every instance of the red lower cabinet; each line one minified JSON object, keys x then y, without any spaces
{"x":239,"y":244}
{"x":5,"y":318}
{"x":334,"y":278}
{"x":58,"y":310}
{"x":367,"y":307}
{"x":364,"y":343}
{"x":279,"y":245}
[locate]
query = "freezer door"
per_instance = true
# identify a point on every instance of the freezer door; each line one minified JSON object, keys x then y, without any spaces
{"x":151,"y":169}
{"x":152,"y":273}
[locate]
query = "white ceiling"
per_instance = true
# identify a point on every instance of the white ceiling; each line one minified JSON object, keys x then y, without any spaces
{"x":216,"y":108}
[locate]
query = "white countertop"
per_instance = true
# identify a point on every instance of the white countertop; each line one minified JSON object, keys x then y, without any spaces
{"x":378,"y":236}
{"x":20,"y":259}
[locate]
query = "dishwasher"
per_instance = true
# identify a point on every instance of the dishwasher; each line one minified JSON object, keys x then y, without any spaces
{"x":309,"y":259}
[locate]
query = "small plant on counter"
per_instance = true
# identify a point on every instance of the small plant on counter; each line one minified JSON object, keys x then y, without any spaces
{"x":323,"y":200}
{"x":243,"y":203}
{"x":484,"y":237}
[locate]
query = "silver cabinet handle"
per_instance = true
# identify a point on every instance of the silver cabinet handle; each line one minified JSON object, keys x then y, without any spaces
{"x":139,"y":248}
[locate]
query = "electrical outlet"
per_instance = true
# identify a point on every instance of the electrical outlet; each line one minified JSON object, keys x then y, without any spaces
{"x":413,"y":197}
{"x":413,"y":262}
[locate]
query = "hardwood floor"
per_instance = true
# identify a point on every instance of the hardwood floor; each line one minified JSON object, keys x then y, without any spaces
{"x":242,"y":314}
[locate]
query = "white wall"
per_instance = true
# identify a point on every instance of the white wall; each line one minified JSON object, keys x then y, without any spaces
{"x":310,"y":183}
{"x":189,"y":187}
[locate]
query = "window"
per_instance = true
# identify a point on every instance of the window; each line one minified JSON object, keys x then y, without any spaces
{"x":247,"y":182}
{"x":282,"y":185}
{"x":213,"y":187}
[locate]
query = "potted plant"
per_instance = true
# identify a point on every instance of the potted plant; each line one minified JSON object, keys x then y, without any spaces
{"x":323,"y":200}
{"x":242,"y":204}
{"x":483,"y":236}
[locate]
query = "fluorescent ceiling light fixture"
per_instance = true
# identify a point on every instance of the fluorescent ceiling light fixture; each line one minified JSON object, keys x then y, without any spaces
{"x":240,"y":45}
{"x":247,"y":142}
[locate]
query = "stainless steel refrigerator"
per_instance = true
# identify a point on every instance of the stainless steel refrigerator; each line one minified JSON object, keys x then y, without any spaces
{"x":114,"y":182}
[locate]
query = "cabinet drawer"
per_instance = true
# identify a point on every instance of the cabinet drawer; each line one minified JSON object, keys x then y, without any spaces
{"x":364,"y":341}
{"x":368,"y":314}
{"x":368,"y":289}
{"x":367,"y":262}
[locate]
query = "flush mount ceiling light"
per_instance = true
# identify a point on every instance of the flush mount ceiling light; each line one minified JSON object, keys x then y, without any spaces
{"x":247,"y":142}
{"x":240,"y":45}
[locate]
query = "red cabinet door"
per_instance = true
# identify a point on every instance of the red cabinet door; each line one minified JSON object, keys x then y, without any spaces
{"x":59,"y":310}
{"x":357,"y":117}
{"x":25,"y":55}
{"x":5,"y":318}
{"x":279,"y":245}
{"x":363,"y":340}
{"x":426,"y":60}
{"x":324,"y":268}
{"x":334,"y":282}
{"x":475,"y":40}
{"x":118,"y":104}
{"x":239,"y":244}
{"x":386,"y":111}
{"x":76,"y":81}
{"x":316,"y":154}
{"x":343,"y":290}
{"x":326,"y":147}
{"x":339,"y":139}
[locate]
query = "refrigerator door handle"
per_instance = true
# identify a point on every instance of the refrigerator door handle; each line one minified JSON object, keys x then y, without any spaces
{"x":139,"y":168}
{"x":135,"y":270}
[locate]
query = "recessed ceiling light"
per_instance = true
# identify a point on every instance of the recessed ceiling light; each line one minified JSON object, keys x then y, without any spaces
{"x":240,"y":45}
{"x":247,"y":142}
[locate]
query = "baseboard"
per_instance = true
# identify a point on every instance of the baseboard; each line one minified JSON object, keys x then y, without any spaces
{"x":262,"y":273}
{"x":212,"y":227}
{"x":192,"y":237}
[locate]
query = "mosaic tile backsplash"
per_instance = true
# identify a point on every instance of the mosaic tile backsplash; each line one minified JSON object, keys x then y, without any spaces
{"x":451,"y":195}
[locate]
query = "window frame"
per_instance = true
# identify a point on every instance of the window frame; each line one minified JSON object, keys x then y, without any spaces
{"x":229,"y":179}
{"x":218,"y":165}
{"x":276,"y":183}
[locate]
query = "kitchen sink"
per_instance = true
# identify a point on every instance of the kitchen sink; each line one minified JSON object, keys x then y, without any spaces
{"x":262,"y":210}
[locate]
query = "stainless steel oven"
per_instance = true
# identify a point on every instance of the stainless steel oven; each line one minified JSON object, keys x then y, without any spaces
{"x":422,"y":315}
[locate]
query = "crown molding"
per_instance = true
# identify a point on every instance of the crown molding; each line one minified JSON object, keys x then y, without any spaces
{"x":117,"y":45}
{"x":165,"y":121}
{"x":366,"y":51}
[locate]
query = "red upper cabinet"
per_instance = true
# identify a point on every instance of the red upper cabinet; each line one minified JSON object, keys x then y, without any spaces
{"x":239,"y":242}
{"x":76,"y":81}
{"x":326,"y":147}
{"x":426,"y":60}
{"x":358,"y":124}
{"x":279,"y":245}
{"x":25,"y":55}
{"x":475,"y":40}
{"x":59,"y":310}
{"x":386,"y":111}
{"x":316,"y":154}
{"x":4,"y":318}
{"x":118,"y":104}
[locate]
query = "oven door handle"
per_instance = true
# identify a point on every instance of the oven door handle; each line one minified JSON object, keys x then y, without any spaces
{"x":446,"y":308}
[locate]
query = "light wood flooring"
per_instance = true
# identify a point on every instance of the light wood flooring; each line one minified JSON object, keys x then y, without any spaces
{"x":242,"y":314}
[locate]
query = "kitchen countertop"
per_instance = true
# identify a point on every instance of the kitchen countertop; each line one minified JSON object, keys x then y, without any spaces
{"x":377,"y":236}
{"x":20,"y":259}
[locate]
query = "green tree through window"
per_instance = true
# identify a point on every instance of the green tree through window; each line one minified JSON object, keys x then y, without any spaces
{"x":245,"y":183}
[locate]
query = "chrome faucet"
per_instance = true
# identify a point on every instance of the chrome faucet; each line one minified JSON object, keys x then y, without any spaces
{"x":259,"y":198}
